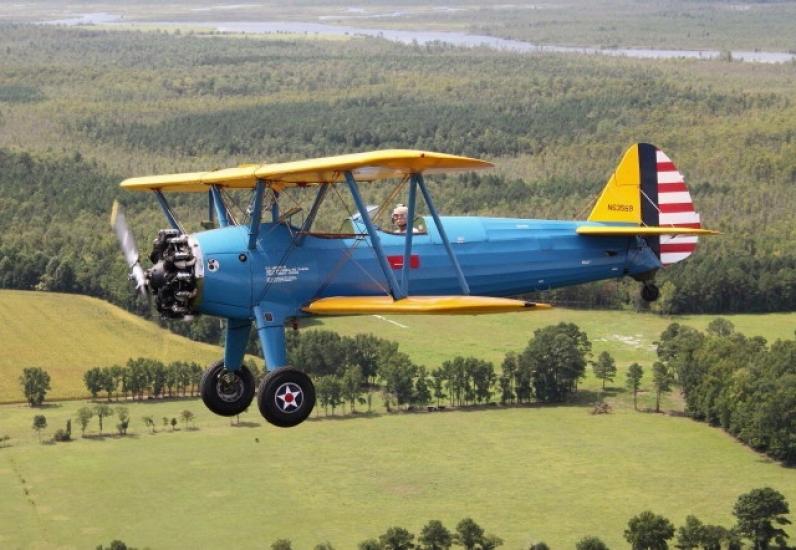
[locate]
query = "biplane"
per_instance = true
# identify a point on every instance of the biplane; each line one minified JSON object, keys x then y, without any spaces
{"x":265,"y":272}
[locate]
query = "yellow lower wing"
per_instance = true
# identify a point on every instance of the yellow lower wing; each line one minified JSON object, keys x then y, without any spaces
{"x":641,"y":231}
{"x":419,"y":305}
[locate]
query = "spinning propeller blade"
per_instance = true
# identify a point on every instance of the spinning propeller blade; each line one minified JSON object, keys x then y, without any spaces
{"x":126,"y":241}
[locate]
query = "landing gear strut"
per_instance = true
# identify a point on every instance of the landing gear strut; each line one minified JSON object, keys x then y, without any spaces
{"x":225,"y":392}
{"x":650,"y":292}
{"x":286,"y":397}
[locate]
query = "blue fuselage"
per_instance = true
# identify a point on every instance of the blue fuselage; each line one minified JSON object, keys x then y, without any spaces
{"x":499,"y":257}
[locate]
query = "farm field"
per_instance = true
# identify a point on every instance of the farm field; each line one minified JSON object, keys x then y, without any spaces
{"x":512,"y":470}
{"x":69,"y":334}
{"x":82,"y":332}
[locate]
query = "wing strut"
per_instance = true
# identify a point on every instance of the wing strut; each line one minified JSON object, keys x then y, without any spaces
{"x":256,"y":213}
{"x":427,"y":196}
{"x":396,"y":291}
{"x":221,"y":208}
{"x":164,"y":205}
{"x":409,"y":232}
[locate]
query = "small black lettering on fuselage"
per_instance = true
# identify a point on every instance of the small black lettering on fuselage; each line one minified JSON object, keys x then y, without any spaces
{"x":621,"y":207}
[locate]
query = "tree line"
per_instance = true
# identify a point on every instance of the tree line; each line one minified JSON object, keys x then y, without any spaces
{"x":144,"y":376}
{"x":346,"y":368}
{"x":739,"y":383}
{"x":760,"y":515}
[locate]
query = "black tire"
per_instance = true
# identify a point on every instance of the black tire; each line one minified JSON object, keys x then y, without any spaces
{"x":650,"y":292}
{"x":227,"y":393}
{"x":286,"y":397}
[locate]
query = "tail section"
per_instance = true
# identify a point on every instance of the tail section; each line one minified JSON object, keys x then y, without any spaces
{"x":647,"y":190}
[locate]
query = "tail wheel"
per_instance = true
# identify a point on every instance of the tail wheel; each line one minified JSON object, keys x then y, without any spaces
{"x":227,"y":392}
{"x":286,"y":397}
{"x":650,"y":292}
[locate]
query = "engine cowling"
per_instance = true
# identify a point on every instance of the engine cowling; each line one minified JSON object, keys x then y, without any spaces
{"x":172,"y":277}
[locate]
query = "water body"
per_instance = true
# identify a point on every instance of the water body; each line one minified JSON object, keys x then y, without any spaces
{"x":453,"y":38}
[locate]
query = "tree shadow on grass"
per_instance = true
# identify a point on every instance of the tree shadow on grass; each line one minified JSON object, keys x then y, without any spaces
{"x":103,"y":437}
{"x":246,"y":424}
{"x":355,"y":416}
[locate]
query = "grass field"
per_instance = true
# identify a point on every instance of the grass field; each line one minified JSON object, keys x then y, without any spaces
{"x":525,"y":474}
{"x":83,"y":332}
{"x":69,"y":334}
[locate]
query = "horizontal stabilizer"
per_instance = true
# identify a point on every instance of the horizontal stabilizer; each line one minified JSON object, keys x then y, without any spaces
{"x":640,"y":231}
{"x":418,"y":305}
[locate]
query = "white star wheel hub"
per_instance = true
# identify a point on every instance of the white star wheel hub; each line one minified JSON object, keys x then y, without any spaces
{"x":289,"y":397}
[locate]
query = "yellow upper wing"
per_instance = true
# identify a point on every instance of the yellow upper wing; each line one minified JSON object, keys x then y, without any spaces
{"x":371,"y":166}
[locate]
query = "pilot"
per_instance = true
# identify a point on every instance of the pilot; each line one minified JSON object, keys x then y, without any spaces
{"x":399,"y":215}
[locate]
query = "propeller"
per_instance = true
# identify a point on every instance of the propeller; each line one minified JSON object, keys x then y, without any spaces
{"x":127,"y":242}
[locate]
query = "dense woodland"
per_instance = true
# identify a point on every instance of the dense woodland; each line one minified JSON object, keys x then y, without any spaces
{"x":82,"y":109}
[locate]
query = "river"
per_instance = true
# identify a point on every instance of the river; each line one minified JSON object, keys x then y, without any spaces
{"x":426,"y":37}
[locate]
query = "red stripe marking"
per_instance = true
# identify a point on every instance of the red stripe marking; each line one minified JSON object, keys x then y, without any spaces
{"x":677,"y":207}
{"x":397,"y":262}
{"x":678,"y":247}
{"x":672,"y":187}
{"x":666,"y":167}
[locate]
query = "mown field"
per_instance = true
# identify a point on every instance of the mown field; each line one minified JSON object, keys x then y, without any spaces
{"x":69,"y":334}
{"x":525,"y":474}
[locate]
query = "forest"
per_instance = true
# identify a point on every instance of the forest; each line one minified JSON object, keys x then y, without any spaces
{"x":80,"y":110}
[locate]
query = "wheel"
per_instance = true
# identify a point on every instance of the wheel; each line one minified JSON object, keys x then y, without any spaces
{"x":224,"y":392}
{"x":650,"y":292}
{"x":286,"y":397}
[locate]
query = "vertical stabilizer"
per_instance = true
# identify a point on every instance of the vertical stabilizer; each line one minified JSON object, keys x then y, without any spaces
{"x":647,"y":189}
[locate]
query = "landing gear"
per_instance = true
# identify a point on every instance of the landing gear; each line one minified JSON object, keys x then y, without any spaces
{"x":650,"y":292}
{"x":286,"y":397}
{"x":227,"y":393}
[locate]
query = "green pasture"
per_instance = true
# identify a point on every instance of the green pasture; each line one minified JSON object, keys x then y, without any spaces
{"x":525,"y":474}
{"x":627,"y":335}
{"x":68,"y":334}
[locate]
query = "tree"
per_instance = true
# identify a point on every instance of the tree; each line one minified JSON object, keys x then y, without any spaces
{"x":556,"y":359}
{"x":757,"y":512}
{"x":468,"y":534}
{"x":93,"y":381}
{"x":351,"y":385}
{"x":720,"y":327}
{"x":490,"y":542}
{"x":396,"y":538}
{"x":370,"y":544}
{"x":691,"y":534}
{"x":539,"y":546}
{"x":84,"y":415}
{"x":35,"y":383}
{"x":108,"y":380}
{"x":648,"y":531}
{"x":662,"y":380}
{"x":324,"y":546}
{"x":398,"y":375}
{"x":173,"y":424}
{"x":124,"y":420}
{"x":282,"y":544}
{"x":605,"y":368}
{"x":149,"y":422}
{"x":434,"y":536}
{"x":633,"y":382}
{"x":422,"y":391}
{"x":39,"y":423}
{"x":102,"y":410}
{"x":590,"y":543}
{"x":187,"y":417}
